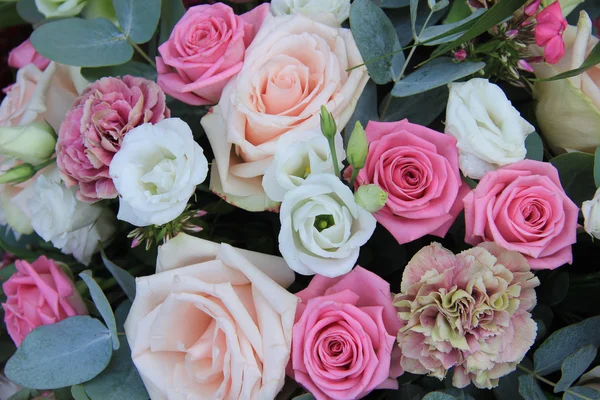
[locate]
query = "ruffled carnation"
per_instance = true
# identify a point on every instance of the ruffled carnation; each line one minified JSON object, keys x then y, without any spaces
{"x":95,"y":127}
{"x":468,"y":311}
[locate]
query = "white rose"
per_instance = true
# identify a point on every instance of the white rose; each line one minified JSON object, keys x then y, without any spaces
{"x":72,"y":226}
{"x":591,"y":215}
{"x":156,"y":172}
{"x":489,"y":130}
{"x":294,"y":161}
{"x":330,"y":12}
{"x":322,"y":227}
{"x":60,"y":8}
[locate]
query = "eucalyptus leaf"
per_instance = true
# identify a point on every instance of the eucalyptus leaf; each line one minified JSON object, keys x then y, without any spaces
{"x":392,"y":3}
{"x":438,"y":6}
{"x":422,"y":108}
{"x":134,"y":68}
{"x":414,"y":8}
{"x":138,"y":18}
{"x":576,"y":172}
{"x":458,"y":10}
{"x":81,"y":42}
{"x":445,"y":33}
{"x":24,"y":394}
{"x":535,"y":147}
{"x":9,"y":15}
{"x":508,"y":387}
{"x":592,"y":59}
{"x":29,"y":12}
{"x":434,"y":74}
{"x":581,"y":393}
{"x":439,"y":396}
{"x":529,"y":388}
{"x":123,"y":278}
{"x":400,"y":18}
{"x":574,"y":366}
{"x":67,"y":353}
{"x":78,"y":392}
{"x":171,"y":13}
{"x":376,"y":38}
{"x":563,"y":342}
{"x":597,"y":167}
{"x":102,"y":305}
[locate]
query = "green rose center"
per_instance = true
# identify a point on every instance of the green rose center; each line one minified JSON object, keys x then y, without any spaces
{"x":324,"y":221}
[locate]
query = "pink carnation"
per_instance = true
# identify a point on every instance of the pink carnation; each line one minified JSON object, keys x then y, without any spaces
{"x":38,"y":294}
{"x":469,"y":311}
{"x":93,"y":131}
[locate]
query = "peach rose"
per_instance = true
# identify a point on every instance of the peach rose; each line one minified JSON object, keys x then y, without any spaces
{"x":213,"y":322}
{"x":293,"y":67}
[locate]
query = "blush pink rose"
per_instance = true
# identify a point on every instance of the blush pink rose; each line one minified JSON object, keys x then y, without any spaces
{"x":38,"y":294}
{"x":206,"y":49}
{"x":523,"y":207}
{"x":344,"y":335}
{"x":418,"y":168}
{"x":25,"y":54}
{"x":93,"y":131}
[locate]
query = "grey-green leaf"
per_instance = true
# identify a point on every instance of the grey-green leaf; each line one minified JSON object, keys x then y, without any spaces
{"x":422,"y":108}
{"x":439,"y":396}
{"x":67,"y":353}
{"x":434,"y":74}
{"x":535,"y":147}
{"x":138,"y":18}
{"x":391,"y":3}
{"x":597,"y":167}
{"x":171,"y":13}
{"x":81,"y":42}
{"x":581,"y":392}
{"x":445,"y":33}
{"x":376,"y":38}
{"x":576,"y":172}
{"x":530,"y":389}
{"x":134,"y":68}
{"x":574,"y":366}
{"x":366,"y":109}
{"x":123,"y":278}
{"x":78,"y":392}
{"x":102,"y":305}
{"x":29,"y":12}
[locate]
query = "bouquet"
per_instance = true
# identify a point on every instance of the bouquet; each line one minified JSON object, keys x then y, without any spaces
{"x":299,"y":199}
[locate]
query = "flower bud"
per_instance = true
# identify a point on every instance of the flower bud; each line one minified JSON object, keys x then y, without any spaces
{"x":32,"y":143}
{"x":358,"y":147}
{"x":370,"y":197}
{"x":18,"y":174}
{"x":460,"y":55}
{"x":328,"y":126}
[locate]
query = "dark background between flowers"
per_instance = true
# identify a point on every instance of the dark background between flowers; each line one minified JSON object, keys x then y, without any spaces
{"x":566,"y":296}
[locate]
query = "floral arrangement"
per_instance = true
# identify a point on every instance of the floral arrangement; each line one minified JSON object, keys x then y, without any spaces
{"x":300,"y":199}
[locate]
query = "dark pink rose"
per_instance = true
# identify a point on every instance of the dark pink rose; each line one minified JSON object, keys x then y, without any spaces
{"x":93,"y":131}
{"x":344,"y":335}
{"x":25,"y":54}
{"x":418,"y":168}
{"x":206,"y":49}
{"x":38,"y":294}
{"x":523,"y":207}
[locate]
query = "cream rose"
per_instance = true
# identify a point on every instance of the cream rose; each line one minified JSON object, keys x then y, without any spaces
{"x":591,"y":215}
{"x":489,"y":131}
{"x":330,"y":12}
{"x":568,"y":110}
{"x":214,"y":322}
{"x":292,"y":68}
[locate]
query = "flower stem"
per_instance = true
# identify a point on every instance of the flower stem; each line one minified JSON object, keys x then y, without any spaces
{"x":549,"y":382}
{"x":355,"y":172}
{"x":142,"y":53}
{"x":45,"y":164}
{"x":334,"y":158}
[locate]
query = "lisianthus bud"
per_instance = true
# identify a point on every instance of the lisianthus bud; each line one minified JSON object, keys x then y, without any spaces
{"x":358,"y":147}
{"x":32,"y":143}
{"x":328,"y":125}
{"x":18,"y":174}
{"x":370,"y":197}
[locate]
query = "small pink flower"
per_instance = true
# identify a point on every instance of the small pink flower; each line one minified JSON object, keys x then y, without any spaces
{"x":25,"y":54}
{"x":532,"y":8}
{"x":549,"y":30}
{"x":524,"y":65}
{"x":460,"y":55}
{"x":512,"y":34}
{"x":38,"y":294}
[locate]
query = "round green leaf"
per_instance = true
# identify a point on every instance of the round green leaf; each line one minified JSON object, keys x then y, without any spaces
{"x":134,"y":68}
{"x":422,"y":108}
{"x":102,"y":305}
{"x":576,"y":172}
{"x":81,"y":42}
{"x":138,"y":18}
{"x":535,"y":147}
{"x":63,"y":354}
{"x":29,"y":12}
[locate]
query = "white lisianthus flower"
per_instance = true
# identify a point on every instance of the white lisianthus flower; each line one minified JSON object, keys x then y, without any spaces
{"x":294,"y":162}
{"x":490,"y":132}
{"x":322,"y":227}
{"x":591,"y":215}
{"x":60,"y":8}
{"x":330,"y":12}
{"x":156,"y":172}
{"x":72,"y":226}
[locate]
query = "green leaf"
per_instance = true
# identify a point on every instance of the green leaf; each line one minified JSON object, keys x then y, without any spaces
{"x":434,"y":74}
{"x":391,"y":3}
{"x":138,"y":18}
{"x":376,"y":38}
{"x":306,"y":396}
{"x":414,"y":8}
{"x":78,"y":392}
{"x":81,"y":42}
{"x":7,"y":348}
{"x":400,"y":18}
{"x":9,"y":15}
{"x":597,"y":167}
{"x":134,"y":68}
{"x":576,"y":172}
{"x":574,"y":366}
{"x":29,"y":12}
{"x":535,"y":147}
{"x":498,"y":13}
{"x":171,"y":13}
{"x":458,"y":10}
{"x":508,"y":386}
{"x":581,"y":393}
{"x":123,"y":278}
{"x":592,"y":59}
{"x":102,"y":305}
{"x":529,"y":388}
{"x":439,"y":396}
{"x":422,"y":108}
{"x":366,"y":109}
{"x":445,"y":33}
{"x":549,"y":356}
{"x":63,"y":354}
{"x":24,"y":394}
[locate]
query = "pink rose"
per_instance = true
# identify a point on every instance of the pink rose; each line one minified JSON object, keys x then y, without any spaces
{"x":206,"y":49}
{"x":25,"y":54}
{"x":523,"y":207}
{"x":418,"y":168}
{"x":344,"y":336}
{"x":93,"y":131}
{"x":38,"y":294}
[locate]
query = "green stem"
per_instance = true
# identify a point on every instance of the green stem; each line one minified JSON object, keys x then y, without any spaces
{"x":549,"y":382}
{"x":334,"y":158}
{"x":355,"y":172}
{"x":142,"y":53}
{"x":45,"y":164}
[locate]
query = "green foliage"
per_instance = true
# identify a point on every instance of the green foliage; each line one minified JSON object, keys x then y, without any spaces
{"x":9,"y":15}
{"x":134,"y":68}
{"x":138,"y":18}
{"x":123,"y":278}
{"x":597,"y":167}
{"x":78,"y":392}
{"x":421,"y":108}
{"x":29,"y":12}
{"x":576,"y":172}
{"x":171,"y":12}
{"x":102,"y":305}
{"x":445,"y":33}
{"x":530,"y":389}
{"x":574,"y":366}
{"x":535,"y":147}
{"x":366,"y":109}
